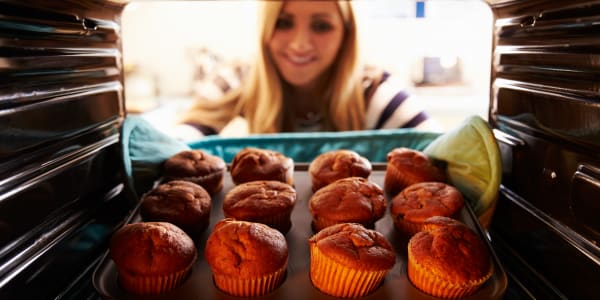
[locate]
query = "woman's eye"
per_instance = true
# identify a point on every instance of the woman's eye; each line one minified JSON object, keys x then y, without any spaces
{"x":321,"y":26}
{"x":284,"y":24}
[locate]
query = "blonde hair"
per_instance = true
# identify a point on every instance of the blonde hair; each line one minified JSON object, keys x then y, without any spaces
{"x":261,"y":99}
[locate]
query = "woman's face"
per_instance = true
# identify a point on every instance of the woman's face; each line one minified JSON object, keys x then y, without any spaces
{"x":306,"y":40}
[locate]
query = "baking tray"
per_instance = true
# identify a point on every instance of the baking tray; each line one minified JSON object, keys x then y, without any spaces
{"x":297,"y":284}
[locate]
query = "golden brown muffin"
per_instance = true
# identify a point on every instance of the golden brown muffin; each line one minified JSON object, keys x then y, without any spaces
{"x":347,"y":260}
{"x":351,"y":199}
{"x":152,"y":257}
{"x":337,"y":164}
{"x":182,"y":203}
{"x":252,"y":164}
{"x":247,"y":259}
{"x":264,"y":201}
{"x":407,"y":166}
{"x":448,"y":259}
{"x":422,"y":200}
{"x":198,"y":167}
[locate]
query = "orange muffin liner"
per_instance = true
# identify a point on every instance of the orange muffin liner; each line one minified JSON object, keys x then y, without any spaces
{"x":426,"y":281}
{"x":281,"y":221}
{"x":320,"y":223}
{"x":337,"y":280}
{"x":406,"y":227}
{"x":152,"y":285}
{"x":259,"y":286}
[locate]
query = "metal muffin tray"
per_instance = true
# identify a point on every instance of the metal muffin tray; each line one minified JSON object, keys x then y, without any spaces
{"x":297,"y":284}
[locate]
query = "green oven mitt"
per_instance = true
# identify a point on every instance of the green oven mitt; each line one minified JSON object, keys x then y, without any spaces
{"x":144,"y":150}
{"x":473,"y":163}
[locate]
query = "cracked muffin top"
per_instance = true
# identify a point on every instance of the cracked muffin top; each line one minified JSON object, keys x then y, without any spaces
{"x":245,"y":249}
{"x":422,"y":200}
{"x":353,"y":245}
{"x":337,"y":164}
{"x":352,"y":199}
{"x":451,"y":250}
{"x":251,"y":164}
{"x":198,"y":167}
{"x":151,"y":248}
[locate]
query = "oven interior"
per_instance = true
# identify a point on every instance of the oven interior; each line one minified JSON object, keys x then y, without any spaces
{"x":63,"y":190}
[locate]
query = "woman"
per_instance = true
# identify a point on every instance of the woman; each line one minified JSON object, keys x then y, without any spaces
{"x":307,"y":77}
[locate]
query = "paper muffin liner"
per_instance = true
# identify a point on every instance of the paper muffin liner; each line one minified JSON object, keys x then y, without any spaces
{"x":320,"y":223}
{"x":337,"y":280}
{"x":431,"y":284}
{"x":395,"y":181}
{"x":281,"y":221}
{"x":408,"y":228}
{"x":259,"y":286}
{"x":152,"y":285}
{"x":212,"y":183}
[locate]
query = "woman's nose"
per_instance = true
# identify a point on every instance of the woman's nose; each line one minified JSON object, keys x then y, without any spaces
{"x":301,"y":40}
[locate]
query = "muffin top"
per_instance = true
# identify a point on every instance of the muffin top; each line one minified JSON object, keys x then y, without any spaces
{"x":337,"y":164}
{"x":193,"y":163}
{"x":251,"y":164}
{"x":259,"y":198}
{"x":407,"y":166}
{"x":151,"y":248}
{"x":354,"y":197}
{"x":426,"y":199}
{"x":245,"y":249}
{"x":175,"y":200}
{"x":354,"y":245}
{"x":451,"y":250}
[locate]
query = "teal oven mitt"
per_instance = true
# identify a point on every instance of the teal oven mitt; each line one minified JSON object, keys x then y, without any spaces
{"x":144,"y":150}
{"x":303,"y":147}
{"x":473,"y":164}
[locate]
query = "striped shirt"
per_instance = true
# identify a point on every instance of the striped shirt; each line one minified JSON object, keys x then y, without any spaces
{"x":393,"y":107}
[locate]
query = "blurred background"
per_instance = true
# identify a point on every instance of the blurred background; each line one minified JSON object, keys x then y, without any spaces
{"x":178,"y":51}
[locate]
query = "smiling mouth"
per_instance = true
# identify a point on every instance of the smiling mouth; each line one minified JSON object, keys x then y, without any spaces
{"x":300,"y":60}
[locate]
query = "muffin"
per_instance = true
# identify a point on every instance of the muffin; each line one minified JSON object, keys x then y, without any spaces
{"x":348,"y":260}
{"x":337,"y":164}
{"x":151,"y":257}
{"x":264,"y":201}
{"x":407,"y":166}
{"x":252,"y":164}
{"x":198,"y":167}
{"x":448,"y":259}
{"x":182,"y":203}
{"x":422,"y":200}
{"x":347,"y":200}
{"x":247,"y":259}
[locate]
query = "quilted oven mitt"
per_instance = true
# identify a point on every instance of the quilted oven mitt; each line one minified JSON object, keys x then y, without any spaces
{"x":144,"y":150}
{"x":473,"y":164}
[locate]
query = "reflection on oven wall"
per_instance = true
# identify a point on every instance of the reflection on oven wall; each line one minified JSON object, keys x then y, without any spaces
{"x":198,"y":45}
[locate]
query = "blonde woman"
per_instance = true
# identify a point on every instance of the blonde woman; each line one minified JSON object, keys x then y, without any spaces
{"x":307,"y":77}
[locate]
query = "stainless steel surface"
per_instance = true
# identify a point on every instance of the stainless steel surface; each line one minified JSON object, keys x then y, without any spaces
{"x":297,"y":284}
{"x":544,"y":110}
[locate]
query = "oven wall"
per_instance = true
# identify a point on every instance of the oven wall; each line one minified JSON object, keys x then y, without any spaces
{"x":545,"y":108}
{"x":62,"y":191}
